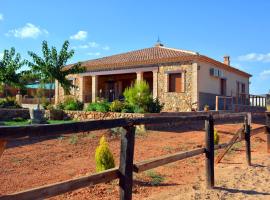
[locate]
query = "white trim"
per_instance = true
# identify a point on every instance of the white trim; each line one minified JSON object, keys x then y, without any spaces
{"x":121,"y":71}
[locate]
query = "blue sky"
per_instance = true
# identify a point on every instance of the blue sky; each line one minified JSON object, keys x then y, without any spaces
{"x":95,"y":29}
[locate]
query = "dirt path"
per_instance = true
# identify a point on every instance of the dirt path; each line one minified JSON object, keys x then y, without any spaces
{"x":39,"y":161}
{"x":234,"y":179}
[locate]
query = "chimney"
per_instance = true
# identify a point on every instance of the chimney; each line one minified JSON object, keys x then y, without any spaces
{"x":226,"y":60}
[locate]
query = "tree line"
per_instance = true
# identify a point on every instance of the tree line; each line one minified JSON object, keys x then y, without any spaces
{"x":46,"y":68}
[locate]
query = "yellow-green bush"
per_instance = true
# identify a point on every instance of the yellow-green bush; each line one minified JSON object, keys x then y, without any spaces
{"x":216,"y":137}
{"x":103,"y":156}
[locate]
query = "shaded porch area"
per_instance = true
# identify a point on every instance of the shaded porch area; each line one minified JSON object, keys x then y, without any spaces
{"x":111,"y":85}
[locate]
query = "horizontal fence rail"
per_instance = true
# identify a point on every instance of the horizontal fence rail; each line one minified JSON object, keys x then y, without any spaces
{"x":124,"y":171}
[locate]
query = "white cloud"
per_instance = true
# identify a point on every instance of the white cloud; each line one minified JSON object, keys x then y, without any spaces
{"x":27,"y":31}
{"x":1,"y":55}
{"x":1,"y":17}
{"x":265,"y":74}
{"x":94,"y":53}
{"x":80,"y":35}
{"x":257,"y":57}
{"x":93,"y":44}
{"x":88,"y":45}
{"x":106,"y":48}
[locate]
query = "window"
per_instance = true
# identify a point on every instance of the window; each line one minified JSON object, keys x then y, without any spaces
{"x":176,"y":82}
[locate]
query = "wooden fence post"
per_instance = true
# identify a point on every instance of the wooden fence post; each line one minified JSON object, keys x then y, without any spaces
{"x":209,"y":152}
{"x":247,"y":123}
{"x":126,"y":163}
{"x":267,"y":115}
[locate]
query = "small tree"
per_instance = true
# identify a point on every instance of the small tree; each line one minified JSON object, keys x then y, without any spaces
{"x":103,"y":156}
{"x":51,"y":66}
{"x":138,"y":95}
{"x":10,"y":65}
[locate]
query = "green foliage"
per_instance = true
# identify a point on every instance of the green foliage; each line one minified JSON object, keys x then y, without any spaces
{"x":45,"y":103}
{"x":116,"y":106}
{"x":74,"y":139}
{"x":138,"y":96}
{"x":206,"y":107}
{"x":100,"y":106}
{"x":117,"y":131}
{"x":9,"y":102}
{"x":216,"y":137}
{"x":70,"y":103}
{"x":127,"y":108}
{"x":50,"y":66}
{"x":140,"y":130}
{"x":155,"y":106}
{"x":18,"y":119}
{"x":156,"y":178}
{"x":103,"y":156}
{"x":10,"y":64}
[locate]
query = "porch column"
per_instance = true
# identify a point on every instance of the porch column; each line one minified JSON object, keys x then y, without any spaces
{"x":155,"y":84}
{"x":81,"y":88}
{"x":139,"y":76}
{"x":94,"y":88}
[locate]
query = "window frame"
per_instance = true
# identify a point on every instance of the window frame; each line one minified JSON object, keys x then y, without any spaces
{"x":183,"y":81}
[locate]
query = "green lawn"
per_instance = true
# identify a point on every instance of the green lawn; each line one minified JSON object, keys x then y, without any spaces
{"x":27,"y":122}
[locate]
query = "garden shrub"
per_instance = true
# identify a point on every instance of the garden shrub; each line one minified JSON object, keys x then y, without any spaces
{"x":100,"y":106}
{"x":138,"y":95}
{"x":9,"y":102}
{"x":155,"y":106}
{"x":216,"y":137}
{"x":45,"y":103}
{"x":103,"y":156}
{"x":127,"y":108}
{"x":116,"y":106}
{"x":70,"y":103}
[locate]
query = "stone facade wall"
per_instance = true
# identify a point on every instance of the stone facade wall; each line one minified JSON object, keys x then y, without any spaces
{"x":175,"y":101}
{"x":9,"y":114}
{"x":91,"y":115}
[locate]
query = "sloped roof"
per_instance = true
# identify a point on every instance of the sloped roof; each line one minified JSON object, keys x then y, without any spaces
{"x":150,"y":56}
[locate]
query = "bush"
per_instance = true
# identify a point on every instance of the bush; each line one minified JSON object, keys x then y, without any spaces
{"x":45,"y":103}
{"x":138,"y":96}
{"x":100,"y":106}
{"x":216,"y":137}
{"x":103,"y":156}
{"x":127,"y":108}
{"x":116,"y":106}
{"x":155,"y":106}
{"x":70,"y":104}
{"x":9,"y":102}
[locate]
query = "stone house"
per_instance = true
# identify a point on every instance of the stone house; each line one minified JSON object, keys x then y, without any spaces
{"x":183,"y":80}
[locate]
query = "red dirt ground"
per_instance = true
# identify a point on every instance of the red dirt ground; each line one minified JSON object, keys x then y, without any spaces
{"x":58,"y":159}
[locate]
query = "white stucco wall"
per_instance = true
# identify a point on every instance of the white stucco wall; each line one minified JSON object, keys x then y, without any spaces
{"x":210,"y":84}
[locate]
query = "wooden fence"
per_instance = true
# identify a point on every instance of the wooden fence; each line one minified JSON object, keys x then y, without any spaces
{"x":125,"y":171}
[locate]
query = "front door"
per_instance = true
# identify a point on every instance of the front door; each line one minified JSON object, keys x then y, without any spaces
{"x":111,"y":90}
{"x":223,"y":87}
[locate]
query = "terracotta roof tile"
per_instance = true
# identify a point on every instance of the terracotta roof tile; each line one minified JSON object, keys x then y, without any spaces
{"x":153,"y":55}
{"x":150,"y":56}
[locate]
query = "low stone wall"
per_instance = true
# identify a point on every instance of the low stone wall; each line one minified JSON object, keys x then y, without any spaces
{"x":88,"y":115}
{"x":9,"y":114}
